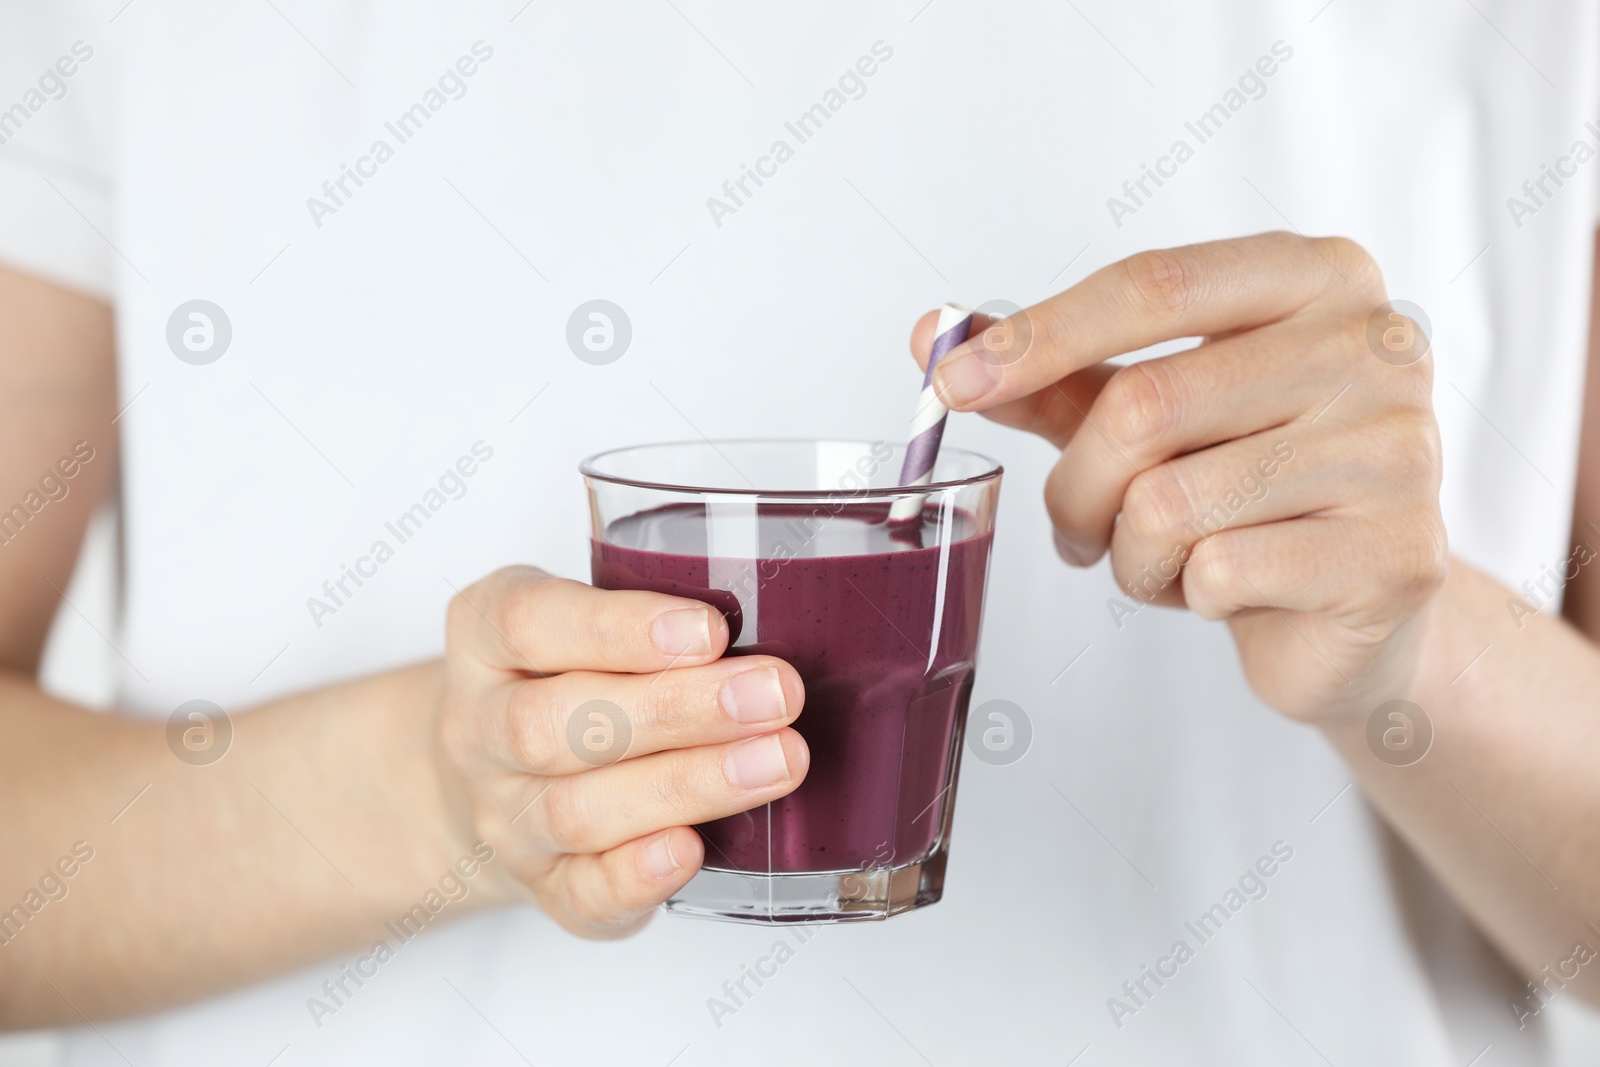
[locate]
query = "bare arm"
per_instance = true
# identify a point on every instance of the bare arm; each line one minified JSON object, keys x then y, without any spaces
{"x":57,"y":388}
{"x":144,"y":881}
{"x":206,"y":880}
{"x":321,"y":822}
{"x":1504,"y":807}
{"x":1281,"y":477}
{"x":1516,"y":750}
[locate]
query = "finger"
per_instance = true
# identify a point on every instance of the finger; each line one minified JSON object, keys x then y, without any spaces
{"x":522,"y":619}
{"x":609,"y":894}
{"x":1281,"y":474}
{"x":1360,"y":571}
{"x":580,"y":720}
{"x":1054,"y":412}
{"x":923,"y":331}
{"x":1160,"y":408}
{"x":601,"y":809}
{"x":1309,"y":598}
{"x":1268,"y":477}
{"x":1198,"y":290}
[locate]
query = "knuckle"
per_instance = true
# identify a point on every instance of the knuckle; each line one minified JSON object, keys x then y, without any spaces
{"x":1141,"y":405}
{"x":618,"y":887}
{"x":1436,"y":555}
{"x":1157,"y":504}
{"x":1165,"y":281}
{"x":566,"y":818}
{"x":1408,"y":385}
{"x":1415,"y":453}
{"x":523,"y":606}
{"x":531,"y":729}
{"x":518,"y":611}
{"x":669,"y":708}
{"x":1284,"y":239}
{"x":1341,"y":249}
{"x":1414,"y":384}
{"x":1430,"y":448}
{"x":1063,"y":501}
{"x":619,"y":620}
{"x":1344,"y":344}
{"x":588,"y":911}
{"x":599,"y":898}
{"x":606,"y":911}
{"x":1134,"y":579}
{"x":681,"y":781}
{"x":1212,"y":567}
{"x":1350,"y":259}
{"x":1420,"y":560}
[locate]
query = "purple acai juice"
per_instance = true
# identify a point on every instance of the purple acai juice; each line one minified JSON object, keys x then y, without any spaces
{"x":883,"y":635}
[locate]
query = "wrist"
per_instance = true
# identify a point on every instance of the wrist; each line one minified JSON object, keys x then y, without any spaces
{"x":428,"y":799}
{"x":1450,"y":635}
{"x":1466,"y":619}
{"x":1408,"y":670}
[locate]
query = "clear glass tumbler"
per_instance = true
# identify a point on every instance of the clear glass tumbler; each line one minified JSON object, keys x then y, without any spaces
{"x":791,"y":541}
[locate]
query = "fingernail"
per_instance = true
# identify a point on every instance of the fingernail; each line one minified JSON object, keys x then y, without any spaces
{"x":683,"y":632}
{"x":754,"y":696}
{"x":964,"y":378}
{"x":1069,"y":552}
{"x":757,"y":764}
{"x":656,"y":859}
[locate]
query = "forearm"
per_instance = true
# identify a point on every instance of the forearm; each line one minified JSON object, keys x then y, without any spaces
{"x":324,"y":820}
{"x":1505,"y":805}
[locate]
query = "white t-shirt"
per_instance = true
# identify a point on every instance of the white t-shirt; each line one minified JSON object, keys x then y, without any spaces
{"x":564,"y":153}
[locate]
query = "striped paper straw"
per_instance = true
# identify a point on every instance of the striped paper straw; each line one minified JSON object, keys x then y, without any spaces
{"x":927,"y":425}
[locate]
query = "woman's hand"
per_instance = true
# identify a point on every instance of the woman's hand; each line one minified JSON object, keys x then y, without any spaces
{"x":1280,"y":475}
{"x":587,"y":731}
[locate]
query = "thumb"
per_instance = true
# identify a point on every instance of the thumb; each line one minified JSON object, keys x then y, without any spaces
{"x":1053,"y":412}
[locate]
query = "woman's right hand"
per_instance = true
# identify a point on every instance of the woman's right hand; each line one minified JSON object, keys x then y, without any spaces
{"x":590,"y":807}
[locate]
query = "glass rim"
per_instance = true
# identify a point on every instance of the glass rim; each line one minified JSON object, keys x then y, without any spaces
{"x":588,"y":468}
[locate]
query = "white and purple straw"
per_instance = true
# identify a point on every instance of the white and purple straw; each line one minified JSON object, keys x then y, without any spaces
{"x":927,"y":425}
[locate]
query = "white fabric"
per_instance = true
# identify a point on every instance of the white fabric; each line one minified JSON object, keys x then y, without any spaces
{"x":423,"y":314}
{"x":56,"y":132}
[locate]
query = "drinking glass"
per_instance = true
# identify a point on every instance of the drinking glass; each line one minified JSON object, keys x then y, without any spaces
{"x":791,"y":541}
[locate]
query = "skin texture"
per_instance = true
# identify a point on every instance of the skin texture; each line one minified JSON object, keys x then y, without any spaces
{"x":1336,"y":582}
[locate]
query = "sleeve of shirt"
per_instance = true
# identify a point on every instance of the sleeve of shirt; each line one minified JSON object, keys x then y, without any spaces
{"x":56,"y":142}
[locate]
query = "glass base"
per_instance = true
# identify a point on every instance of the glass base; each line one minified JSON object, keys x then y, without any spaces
{"x":813,"y":896}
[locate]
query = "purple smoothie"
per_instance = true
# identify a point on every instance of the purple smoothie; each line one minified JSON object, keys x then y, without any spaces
{"x":886,"y":656}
